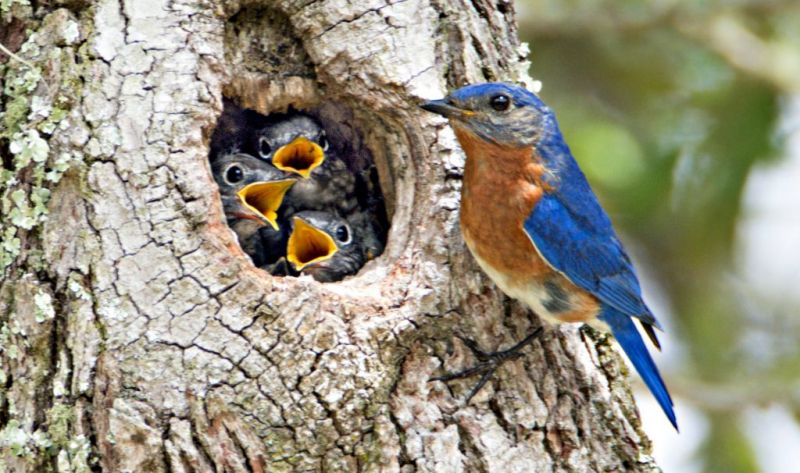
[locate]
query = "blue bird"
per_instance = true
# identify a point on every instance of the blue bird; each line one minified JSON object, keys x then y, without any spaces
{"x":532,"y":222}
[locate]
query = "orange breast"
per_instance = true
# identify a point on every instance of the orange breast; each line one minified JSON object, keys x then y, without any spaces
{"x":500,"y":189}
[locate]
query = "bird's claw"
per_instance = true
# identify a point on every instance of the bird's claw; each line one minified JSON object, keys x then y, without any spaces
{"x":488,"y":362}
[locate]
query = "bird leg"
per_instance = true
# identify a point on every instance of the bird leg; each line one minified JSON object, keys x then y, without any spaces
{"x":488,"y":362}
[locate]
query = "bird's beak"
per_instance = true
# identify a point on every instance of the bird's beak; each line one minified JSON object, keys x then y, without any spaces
{"x":265,"y":198}
{"x":301,"y":156}
{"x":308,"y":245}
{"x":446,"y":109}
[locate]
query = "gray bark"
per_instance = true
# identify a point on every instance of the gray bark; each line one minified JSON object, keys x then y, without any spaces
{"x":136,"y":336}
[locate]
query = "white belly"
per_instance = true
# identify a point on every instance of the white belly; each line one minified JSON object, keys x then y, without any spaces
{"x":533,"y":295}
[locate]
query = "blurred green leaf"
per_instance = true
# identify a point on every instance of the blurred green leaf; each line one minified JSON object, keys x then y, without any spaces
{"x":726,"y":448}
{"x":610,"y":155}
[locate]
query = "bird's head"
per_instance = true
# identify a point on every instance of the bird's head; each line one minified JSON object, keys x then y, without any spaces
{"x":499,"y":113}
{"x":294,"y":144}
{"x":250,"y":188}
{"x":323,"y":245}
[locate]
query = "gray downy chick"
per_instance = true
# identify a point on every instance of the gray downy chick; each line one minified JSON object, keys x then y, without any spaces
{"x":252,"y":192}
{"x":298,"y":144}
{"x":324,"y":245}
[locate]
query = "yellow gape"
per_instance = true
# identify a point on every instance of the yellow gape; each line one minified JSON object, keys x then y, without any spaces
{"x":265,"y":198}
{"x":309,"y":245}
{"x":301,"y":156}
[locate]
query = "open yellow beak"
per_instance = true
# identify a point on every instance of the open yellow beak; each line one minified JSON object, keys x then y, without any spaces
{"x":301,"y":156}
{"x":308,"y":245}
{"x":265,"y":198}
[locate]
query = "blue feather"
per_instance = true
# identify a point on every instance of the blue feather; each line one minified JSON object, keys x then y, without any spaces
{"x":630,"y":340}
{"x":580,"y":245}
{"x":520,"y":96}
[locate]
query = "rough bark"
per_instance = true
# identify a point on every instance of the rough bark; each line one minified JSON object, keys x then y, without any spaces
{"x":136,"y":336}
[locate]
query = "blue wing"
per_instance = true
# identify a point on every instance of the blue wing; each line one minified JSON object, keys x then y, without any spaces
{"x":573,"y":233}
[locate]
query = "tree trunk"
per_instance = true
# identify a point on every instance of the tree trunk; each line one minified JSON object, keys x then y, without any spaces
{"x":136,"y":336}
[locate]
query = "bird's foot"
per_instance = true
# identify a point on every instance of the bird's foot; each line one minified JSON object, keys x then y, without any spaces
{"x":488,"y":362}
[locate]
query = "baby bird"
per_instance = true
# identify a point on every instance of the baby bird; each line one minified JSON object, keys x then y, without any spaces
{"x":324,"y":245}
{"x":271,"y":168}
{"x":293,"y":142}
{"x":252,"y":191}
{"x":364,"y":225}
{"x":296,"y":143}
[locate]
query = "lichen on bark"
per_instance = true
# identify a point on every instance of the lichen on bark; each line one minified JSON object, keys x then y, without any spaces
{"x":136,"y":336}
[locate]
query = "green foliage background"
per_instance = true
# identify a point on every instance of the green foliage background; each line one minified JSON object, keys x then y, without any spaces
{"x":669,"y":106}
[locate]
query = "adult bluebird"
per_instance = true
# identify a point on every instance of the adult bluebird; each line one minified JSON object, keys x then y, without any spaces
{"x":536,"y":228}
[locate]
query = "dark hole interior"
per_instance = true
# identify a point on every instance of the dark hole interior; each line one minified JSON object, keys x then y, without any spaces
{"x":345,"y":186}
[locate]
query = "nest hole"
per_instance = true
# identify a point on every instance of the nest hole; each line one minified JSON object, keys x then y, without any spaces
{"x":300,"y":189}
{"x":277,"y":127}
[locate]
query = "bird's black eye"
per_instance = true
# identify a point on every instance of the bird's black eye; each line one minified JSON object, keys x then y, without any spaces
{"x":500,"y":102}
{"x":234,"y":174}
{"x":323,"y":142}
{"x":264,"y":147}
{"x":343,"y":234}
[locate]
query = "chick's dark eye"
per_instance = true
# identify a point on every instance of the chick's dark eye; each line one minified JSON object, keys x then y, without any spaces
{"x":234,"y":174}
{"x":343,"y":233}
{"x":323,"y":142}
{"x":264,"y":147}
{"x":500,"y":102}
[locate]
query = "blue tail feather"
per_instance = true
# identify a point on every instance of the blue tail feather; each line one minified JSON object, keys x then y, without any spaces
{"x":630,"y":340}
